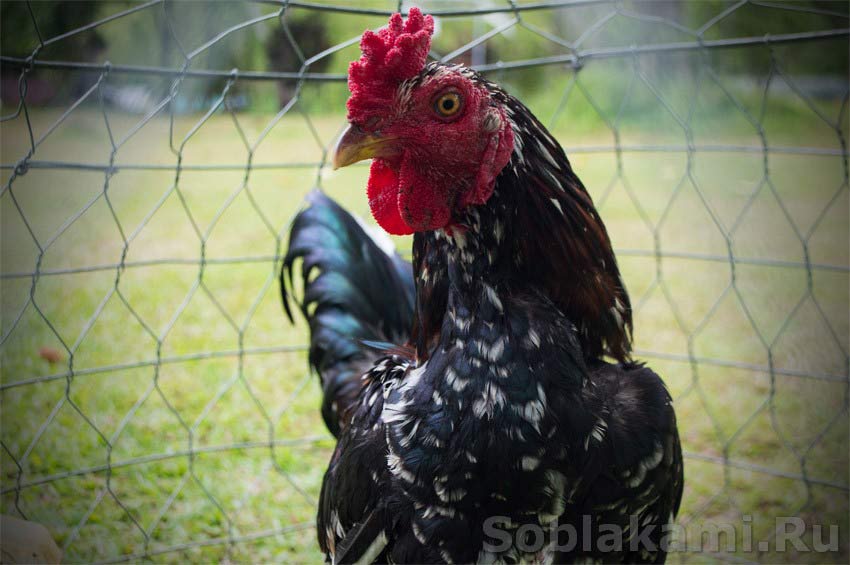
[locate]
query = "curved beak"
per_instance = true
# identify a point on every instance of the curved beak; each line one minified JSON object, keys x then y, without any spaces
{"x":356,"y":145}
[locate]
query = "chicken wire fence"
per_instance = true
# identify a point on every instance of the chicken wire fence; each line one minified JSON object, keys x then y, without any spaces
{"x":189,"y":486}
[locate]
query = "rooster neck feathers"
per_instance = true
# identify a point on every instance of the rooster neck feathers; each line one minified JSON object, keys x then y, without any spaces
{"x":539,"y":229}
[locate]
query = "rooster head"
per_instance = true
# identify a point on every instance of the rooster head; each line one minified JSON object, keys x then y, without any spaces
{"x":437,"y":137}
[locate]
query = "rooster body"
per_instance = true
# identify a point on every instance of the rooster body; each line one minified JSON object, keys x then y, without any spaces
{"x":496,"y":409}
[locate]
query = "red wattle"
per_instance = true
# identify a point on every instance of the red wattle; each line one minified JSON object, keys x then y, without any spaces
{"x":423,"y":201}
{"x":382,"y":191}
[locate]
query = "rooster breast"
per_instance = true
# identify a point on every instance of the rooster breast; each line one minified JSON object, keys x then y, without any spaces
{"x":503,"y":420}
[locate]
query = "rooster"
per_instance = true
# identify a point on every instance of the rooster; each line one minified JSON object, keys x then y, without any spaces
{"x":476,"y":418}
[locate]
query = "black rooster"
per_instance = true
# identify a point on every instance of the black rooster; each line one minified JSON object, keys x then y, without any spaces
{"x":496,"y":415}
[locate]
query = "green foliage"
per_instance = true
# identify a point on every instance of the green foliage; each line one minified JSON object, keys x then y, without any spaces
{"x":760,"y":21}
{"x":21,"y":29}
{"x":19,"y":34}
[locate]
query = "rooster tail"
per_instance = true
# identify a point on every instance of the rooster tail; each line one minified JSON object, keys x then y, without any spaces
{"x":354,"y":292}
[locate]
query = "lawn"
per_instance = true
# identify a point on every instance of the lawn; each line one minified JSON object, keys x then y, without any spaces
{"x":178,"y":417}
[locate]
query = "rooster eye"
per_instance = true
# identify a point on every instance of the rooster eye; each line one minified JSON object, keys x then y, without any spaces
{"x":448,"y":104}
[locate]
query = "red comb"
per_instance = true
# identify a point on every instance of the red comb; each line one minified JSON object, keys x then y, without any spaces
{"x":394,"y":54}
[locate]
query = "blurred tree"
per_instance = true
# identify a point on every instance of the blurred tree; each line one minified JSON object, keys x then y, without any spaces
{"x":758,"y":21}
{"x":160,"y":34}
{"x":170,"y":31}
{"x":19,"y":37}
{"x":309,"y":32}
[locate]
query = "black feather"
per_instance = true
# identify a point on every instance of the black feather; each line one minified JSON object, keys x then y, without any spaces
{"x":359,"y":539}
{"x":353,"y":291}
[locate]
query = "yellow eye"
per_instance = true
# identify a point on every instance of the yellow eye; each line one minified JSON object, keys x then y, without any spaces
{"x":448,"y":104}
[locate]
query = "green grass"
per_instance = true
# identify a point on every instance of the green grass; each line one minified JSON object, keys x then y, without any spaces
{"x":177,"y":311}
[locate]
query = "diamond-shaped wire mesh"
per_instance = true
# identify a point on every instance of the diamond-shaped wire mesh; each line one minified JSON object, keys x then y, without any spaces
{"x":155,"y":404}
